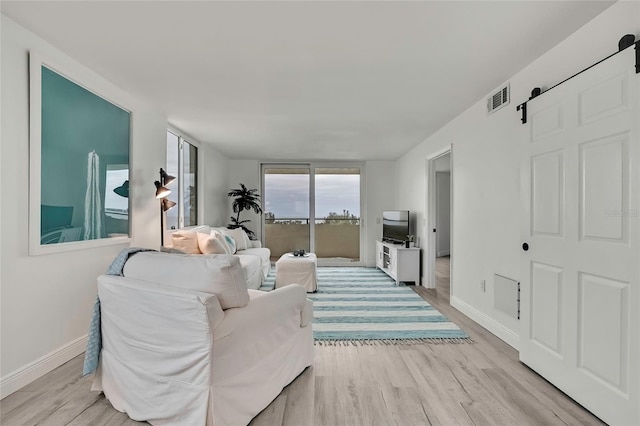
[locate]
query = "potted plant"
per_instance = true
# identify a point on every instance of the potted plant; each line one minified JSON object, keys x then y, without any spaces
{"x":245,"y":199}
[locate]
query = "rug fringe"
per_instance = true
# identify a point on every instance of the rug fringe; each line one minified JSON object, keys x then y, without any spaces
{"x":383,"y":342}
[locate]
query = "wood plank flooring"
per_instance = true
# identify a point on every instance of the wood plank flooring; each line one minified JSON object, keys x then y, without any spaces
{"x":450,"y":384}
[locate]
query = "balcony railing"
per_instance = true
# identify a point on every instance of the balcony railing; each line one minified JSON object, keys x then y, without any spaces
{"x":334,"y":238}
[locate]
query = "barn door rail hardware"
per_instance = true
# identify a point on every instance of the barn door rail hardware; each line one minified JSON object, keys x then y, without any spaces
{"x":625,"y":42}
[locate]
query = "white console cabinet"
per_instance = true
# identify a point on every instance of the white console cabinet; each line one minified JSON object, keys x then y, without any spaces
{"x":400,"y":263}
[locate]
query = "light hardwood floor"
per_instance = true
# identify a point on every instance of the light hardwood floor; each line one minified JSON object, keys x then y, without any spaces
{"x":450,"y":384}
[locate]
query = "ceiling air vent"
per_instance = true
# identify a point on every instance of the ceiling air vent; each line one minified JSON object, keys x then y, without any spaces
{"x":498,"y":99}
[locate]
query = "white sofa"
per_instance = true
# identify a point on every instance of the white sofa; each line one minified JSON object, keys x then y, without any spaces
{"x":185,"y":342}
{"x":255,"y":261}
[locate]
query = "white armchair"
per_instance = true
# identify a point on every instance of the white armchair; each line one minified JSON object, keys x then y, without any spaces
{"x":177,"y":352}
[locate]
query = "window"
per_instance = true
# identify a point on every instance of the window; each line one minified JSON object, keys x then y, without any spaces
{"x":315,"y":207}
{"x":182,"y":162}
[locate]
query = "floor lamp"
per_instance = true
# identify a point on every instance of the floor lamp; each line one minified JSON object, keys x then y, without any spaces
{"x":165,"y":204}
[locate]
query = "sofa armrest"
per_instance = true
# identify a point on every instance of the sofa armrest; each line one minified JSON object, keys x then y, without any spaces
{"x":214,"y":310}
{"x":157,"y":329}
{"x":286,"y":306}
{"x":306,"y":316}
{"x":255,"y":244}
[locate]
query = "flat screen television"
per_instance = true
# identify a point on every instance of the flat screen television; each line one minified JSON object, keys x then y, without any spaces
{"x":395,"y":225}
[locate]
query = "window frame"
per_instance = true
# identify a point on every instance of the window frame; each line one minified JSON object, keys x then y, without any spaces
{"x":312,"y":166}
{"x":185,"y":138}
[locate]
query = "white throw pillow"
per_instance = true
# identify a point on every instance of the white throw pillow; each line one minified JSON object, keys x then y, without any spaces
{"x":187,"y":241}
{"x":212,"y":244}
{"x":224,"y":239}
{"x":240,"y":237}
{"x":221,"y":275}
{"x":232,"y":244}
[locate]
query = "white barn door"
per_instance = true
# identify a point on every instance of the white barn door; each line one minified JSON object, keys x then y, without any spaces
{"x":581,"y":221}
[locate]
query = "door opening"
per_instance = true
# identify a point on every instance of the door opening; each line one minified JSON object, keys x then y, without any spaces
{"x":439,"y":213}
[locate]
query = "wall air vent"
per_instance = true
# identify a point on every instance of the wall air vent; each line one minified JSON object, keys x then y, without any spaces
{"x":498,"y":99}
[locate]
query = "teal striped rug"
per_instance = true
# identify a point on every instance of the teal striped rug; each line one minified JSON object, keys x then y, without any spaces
{"x":364,"y":306}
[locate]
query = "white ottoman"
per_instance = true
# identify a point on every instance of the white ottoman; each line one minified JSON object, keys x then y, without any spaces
{"x":297,"y":270}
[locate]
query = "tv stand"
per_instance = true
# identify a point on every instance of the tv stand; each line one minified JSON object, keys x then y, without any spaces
{"x":400,"y":263}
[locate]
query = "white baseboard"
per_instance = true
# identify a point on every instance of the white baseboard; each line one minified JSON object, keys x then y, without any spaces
{"x":34,"y":370}
{"x":503,"y":333}
{"x":442,"y":253}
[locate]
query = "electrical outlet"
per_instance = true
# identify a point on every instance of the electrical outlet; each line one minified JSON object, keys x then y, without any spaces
{"x":483,"y":286}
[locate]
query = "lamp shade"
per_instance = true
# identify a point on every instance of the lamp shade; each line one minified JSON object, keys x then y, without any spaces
{"x":165,"y":178}
{"x":167,"y":204}
{"x":123,"y":190}
{"x":161,"y":191}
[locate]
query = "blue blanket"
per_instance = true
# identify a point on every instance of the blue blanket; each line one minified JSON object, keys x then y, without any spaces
{"x":94,"y":342}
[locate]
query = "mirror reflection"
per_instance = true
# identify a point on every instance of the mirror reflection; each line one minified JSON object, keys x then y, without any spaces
{"x":84,"y":164}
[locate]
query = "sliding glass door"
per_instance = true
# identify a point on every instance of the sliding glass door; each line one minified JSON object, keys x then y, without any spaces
{"x":315,"y":207}
{"x":337,"y":213}
{"x":286,"y":193}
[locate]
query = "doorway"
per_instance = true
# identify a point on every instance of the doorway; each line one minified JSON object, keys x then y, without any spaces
{"x":439,"y":210}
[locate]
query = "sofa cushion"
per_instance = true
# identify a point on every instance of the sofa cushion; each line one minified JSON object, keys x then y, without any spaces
{"x":221,"y":275}
{"x":187,"y":241}
{"x":213,"y":243}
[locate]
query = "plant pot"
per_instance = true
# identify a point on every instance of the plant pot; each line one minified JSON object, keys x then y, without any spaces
{"x":406,"y":244}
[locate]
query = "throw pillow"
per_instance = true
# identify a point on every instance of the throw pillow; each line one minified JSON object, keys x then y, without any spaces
{"x":232,"y":244}
{"x":240,"y":237}
{"x":230,"y":248}
{"x":247,"y":240}
{"x":211,"y":244}
{"x":186,"y":241}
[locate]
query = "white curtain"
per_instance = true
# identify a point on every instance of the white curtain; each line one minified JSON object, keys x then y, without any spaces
{"x":92,"y":201}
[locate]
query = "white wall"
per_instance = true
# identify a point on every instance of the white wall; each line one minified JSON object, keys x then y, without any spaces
{"x":443,"y":213}
{"x":380,"y":195}
{"x":214,"y":174}
{"x":1,"y":202}
{"x":213,"y":170}
{"x":380,"y":184}
{"x":486,"y":203}
{"x":47,"y":300}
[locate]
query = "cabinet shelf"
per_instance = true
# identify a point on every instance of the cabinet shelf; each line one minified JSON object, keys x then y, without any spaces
{"x":400,"y":263}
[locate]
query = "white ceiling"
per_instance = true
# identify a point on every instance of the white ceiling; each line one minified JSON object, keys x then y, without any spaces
{"x":306,"y":80}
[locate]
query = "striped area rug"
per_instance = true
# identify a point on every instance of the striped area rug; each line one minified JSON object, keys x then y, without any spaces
{"x":364,"y":306}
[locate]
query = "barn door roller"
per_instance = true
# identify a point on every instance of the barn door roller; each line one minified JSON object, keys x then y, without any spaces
{"x":625,"y":42}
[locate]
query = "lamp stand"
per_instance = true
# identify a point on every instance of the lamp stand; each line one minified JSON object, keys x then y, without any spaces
{"x":161,"y":194}
{"x":161,"y":225}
